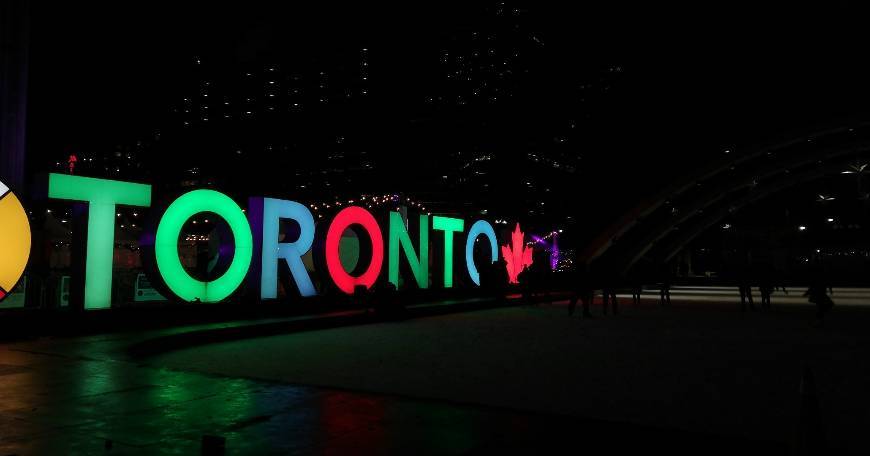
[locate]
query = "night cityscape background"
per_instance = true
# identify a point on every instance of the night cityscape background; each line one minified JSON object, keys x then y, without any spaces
{"x":555,"y":118}
{"x":711,"y":148}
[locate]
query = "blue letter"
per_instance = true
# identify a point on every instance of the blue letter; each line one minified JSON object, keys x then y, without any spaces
{"x":273,"y":210}
{"x":480,"y":227}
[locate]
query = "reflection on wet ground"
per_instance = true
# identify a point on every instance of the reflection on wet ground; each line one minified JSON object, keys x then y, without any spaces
{"x":84,"y":395}
{"x":63,"y":403}
{"x":54,"y":404}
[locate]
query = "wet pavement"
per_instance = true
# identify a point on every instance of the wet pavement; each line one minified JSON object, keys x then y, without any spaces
{"x":59,"y":405}
{"x":57,"y":402}
{"x":514,"y":380}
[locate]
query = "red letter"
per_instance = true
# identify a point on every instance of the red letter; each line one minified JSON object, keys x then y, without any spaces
{"x":353,"y":215}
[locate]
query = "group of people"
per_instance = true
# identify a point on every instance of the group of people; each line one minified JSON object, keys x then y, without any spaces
{"x":585,"y":283}
{"x":767,"y":280}
{"x":533,"y":280}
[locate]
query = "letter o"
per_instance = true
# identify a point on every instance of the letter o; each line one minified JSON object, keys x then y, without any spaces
{"x":353,"y":215}
{"x":166,"y":246}
{"x":480,"y":228}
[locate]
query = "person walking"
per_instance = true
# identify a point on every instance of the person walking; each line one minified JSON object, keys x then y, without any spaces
{"x":526,"y":286}
{"x":636,"y":284}
{"x":665,"y":286}
{"x":767,"y":284}
{"x":494,"y":280}
{"x":744,"y":286}
{"x":582,"y":290}
{"x":537,"y":277}
{"x":608,"y":292}
{"x":817,"y":293}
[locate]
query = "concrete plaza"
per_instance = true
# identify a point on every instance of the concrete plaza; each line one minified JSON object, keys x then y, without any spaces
{"x":696,"y":376}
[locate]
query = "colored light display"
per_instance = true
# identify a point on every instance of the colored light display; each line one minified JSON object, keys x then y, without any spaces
{"x":448,"y":225}
{"x":479,"y":228}
{"x":14,"y":240}
{"x":555,"y":254}
{"x":268,"y":212}
{"x":347,"y":217}
{"x":553,"y":248}
{"x":169,"y":264}
{"x":399,"y":237}
{"x":517,"y":255}
{"x":102,"y":196}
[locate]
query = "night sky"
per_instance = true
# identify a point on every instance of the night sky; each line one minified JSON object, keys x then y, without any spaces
{"x":671,"y":86}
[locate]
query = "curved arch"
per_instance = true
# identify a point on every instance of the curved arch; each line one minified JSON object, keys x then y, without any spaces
{"x":760,"y":172}
{"x":674,"y":247}
{"x":709,"y":198}
{"x":630,"y":219}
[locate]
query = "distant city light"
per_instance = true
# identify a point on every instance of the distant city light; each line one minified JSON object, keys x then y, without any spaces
{"x":802,"y":228}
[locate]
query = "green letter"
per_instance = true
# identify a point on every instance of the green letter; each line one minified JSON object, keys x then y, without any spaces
{"x":399,"y":236}
{"x":166,"y":246}
{"x":102,"y":196}
{"x":448,"y":225}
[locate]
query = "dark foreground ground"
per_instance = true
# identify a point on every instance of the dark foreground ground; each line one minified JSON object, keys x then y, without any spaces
{"x":696,"y":377}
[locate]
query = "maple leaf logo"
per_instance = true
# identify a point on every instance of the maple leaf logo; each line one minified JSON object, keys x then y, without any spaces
{"x":517,"y":255}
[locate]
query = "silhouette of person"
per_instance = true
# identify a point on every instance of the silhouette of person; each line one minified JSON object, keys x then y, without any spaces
{"x":665,"y":286}
{"x":501,"y":278}
{"x":744,"y":286}
{"x":582,"y":291}
{"x":493,"y":279}
{"x":387,"y":303}
{"x":817,"y":293}
{"x":540,"y":273}
{"x":608,"y":292}
{"x":636,"y":284}
{"x":767,"y":284}
{"x":525,"y":278}
{"x":487,"y":277}
{"x":533,"y":279}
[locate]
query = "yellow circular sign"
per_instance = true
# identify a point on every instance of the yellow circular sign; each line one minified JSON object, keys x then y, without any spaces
{"x":14,"y":240}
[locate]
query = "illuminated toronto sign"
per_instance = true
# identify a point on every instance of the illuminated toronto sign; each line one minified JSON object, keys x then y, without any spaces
{"x":102,"y":197}
{"x":14,"y":240}
{"x":517,"y":255}
{"x":255,"y":247}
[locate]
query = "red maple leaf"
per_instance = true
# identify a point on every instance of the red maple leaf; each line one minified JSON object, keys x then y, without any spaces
{"x":517,"y":255}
